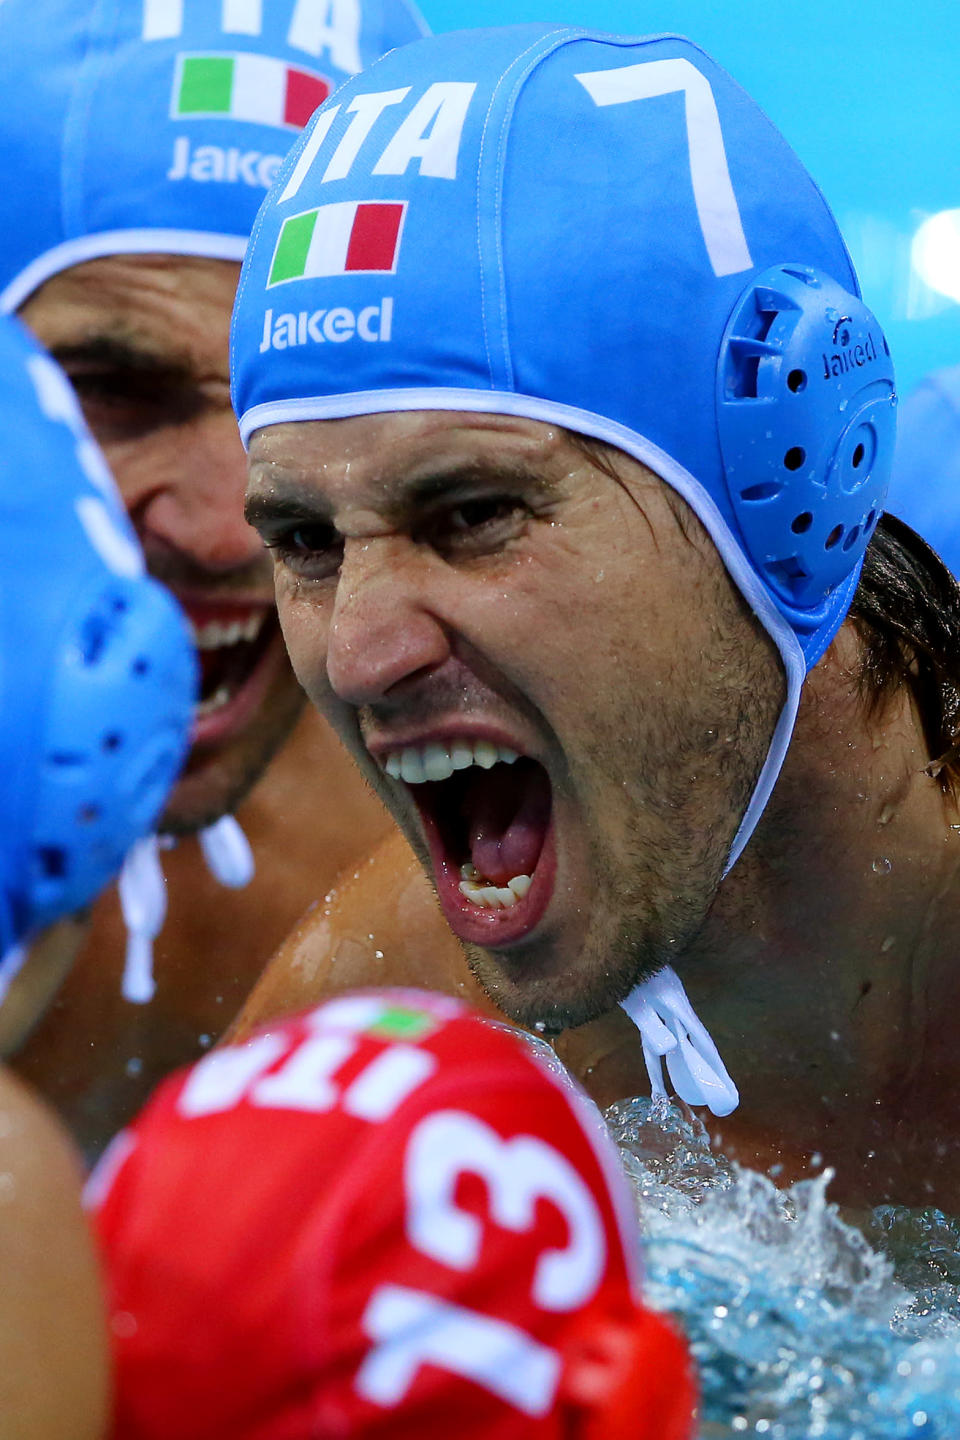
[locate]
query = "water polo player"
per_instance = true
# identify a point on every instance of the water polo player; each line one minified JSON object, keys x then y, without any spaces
{"x":582,"y":554}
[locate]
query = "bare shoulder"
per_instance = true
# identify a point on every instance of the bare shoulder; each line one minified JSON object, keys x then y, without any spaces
{"x":379,"y":925}
{"x":53,"y":1366}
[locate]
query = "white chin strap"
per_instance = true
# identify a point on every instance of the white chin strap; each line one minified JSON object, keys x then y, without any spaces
{"x":669,"y":1027}
{"x":11,"y":963}
{"x":143,"y":894}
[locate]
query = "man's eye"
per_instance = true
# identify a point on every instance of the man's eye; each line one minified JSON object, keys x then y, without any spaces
{"x":311,"y":551}
{"x":121,"y":405}
{"x":479,"y":525}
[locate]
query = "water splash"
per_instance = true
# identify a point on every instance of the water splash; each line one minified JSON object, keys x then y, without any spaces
{"x":802,"y":1326}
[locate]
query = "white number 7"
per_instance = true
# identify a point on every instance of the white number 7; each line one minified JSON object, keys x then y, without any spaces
{"x":713,"y":195}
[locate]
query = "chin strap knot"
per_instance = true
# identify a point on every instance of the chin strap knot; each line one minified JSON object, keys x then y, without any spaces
{"x":227,"y":852}
{"x":669,"y":1027}
{"x":11,"y":963}
{"x":143,"y":894}
{"x":143,"y":900}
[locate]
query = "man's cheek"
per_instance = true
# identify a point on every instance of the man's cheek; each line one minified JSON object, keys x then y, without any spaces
{"x":306,"y":641}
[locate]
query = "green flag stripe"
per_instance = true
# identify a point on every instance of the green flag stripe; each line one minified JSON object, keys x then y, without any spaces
{"x":206,"y":85}
{"x":397,"y":1024}
{"x":290,"y":256}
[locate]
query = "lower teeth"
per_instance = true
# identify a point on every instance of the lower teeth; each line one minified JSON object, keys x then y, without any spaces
{"x":492,"y":897}
{"x":216,"y":701}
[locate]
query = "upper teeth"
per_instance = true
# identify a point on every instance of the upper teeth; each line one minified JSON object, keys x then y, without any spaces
{"x":419,"y":763}
{"x":213,"y":635}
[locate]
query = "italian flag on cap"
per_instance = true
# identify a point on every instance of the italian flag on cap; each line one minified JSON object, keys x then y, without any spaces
{"x":346,"y":238}
{"x":247,"y":87}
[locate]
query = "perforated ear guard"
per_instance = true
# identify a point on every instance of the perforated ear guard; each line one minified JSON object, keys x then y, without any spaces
{"x":114,"y":737}
{"x":807,"y":418}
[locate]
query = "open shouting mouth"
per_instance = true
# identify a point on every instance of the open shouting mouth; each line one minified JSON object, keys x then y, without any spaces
{"x":237,"y":646}
{"x":487,"y":815}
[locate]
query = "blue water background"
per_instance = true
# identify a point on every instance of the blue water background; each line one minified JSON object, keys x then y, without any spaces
{"x":867,"y":93}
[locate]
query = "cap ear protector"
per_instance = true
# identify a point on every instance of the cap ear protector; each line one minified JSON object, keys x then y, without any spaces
{"x":806,"y":413}
{"x":97,"y":669}
{"x":112,"y":739}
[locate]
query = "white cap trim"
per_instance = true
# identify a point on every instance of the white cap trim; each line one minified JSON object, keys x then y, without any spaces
{"x":203,"y":243}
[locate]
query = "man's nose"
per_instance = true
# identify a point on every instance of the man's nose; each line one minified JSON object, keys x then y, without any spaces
{"x":190,"y":500}
{"x":385,"y":627}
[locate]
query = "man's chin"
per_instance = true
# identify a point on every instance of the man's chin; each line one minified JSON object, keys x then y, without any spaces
{"x":198,"y":800}
{"x":547,"y":1002}
{"x":218,"y":778}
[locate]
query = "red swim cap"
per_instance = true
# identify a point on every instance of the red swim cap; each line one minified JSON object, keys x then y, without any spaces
{"x":385,"y":1217}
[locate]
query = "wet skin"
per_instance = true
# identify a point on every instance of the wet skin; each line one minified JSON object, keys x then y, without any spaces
{"x":145,"y":342}
{"x":445,"y":578}
{"x":54,"y":1381}
{"x":823,"y":965}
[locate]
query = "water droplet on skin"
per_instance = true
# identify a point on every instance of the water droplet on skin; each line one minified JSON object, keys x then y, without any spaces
{"x":541,"y":1027}
{"x":882,"y":866}
{"x":378,"y":954}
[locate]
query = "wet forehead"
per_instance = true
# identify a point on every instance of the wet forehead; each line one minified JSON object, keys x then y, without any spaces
{"x":170,"y":305}
{"x":389,"y":462}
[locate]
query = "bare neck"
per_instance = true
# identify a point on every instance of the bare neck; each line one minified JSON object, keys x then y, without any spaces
{"x":826,"y":971}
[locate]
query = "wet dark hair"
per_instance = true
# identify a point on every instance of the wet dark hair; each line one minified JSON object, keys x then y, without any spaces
{"x":907,"y":616}
{"x":906,"y":612}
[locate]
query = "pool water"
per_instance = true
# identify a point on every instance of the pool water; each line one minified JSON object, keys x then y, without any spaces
{"x":802,"y":1326}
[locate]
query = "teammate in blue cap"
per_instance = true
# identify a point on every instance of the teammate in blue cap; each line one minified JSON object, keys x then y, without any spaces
{"x":925,"y":487}
{"x":570,"y":433}
{"x":97,"y":685}
{"x":140,"y":137}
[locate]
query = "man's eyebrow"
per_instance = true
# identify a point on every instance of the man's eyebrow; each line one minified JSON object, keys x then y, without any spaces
{"x":273,"y":506}
{"x":117,"y":353}
{"x":292,"y":500}
{"x":450,"y":479}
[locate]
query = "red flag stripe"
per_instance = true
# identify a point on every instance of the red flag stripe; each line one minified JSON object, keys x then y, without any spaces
{"x":374,"y":237}
{"x":303,"y":94}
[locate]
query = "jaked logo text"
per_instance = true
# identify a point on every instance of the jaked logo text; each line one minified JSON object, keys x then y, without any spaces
{"x":226,"y":163}
{"x":335,"y":326}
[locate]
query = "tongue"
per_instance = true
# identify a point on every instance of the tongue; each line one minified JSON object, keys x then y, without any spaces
{"x":508,"y":821}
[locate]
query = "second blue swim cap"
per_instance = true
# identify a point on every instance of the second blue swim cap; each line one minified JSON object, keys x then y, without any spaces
{"x":157,"y":125}
{"x":97,"y":668}
{"x":925,"y":490}
{"x":603,"y":233}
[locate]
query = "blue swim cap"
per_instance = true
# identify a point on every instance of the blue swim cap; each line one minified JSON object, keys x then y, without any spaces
{"x":97,"y":670}
{"x":156,"y":125}
{"x":925,"y":489}
{"x":599,"y":232}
